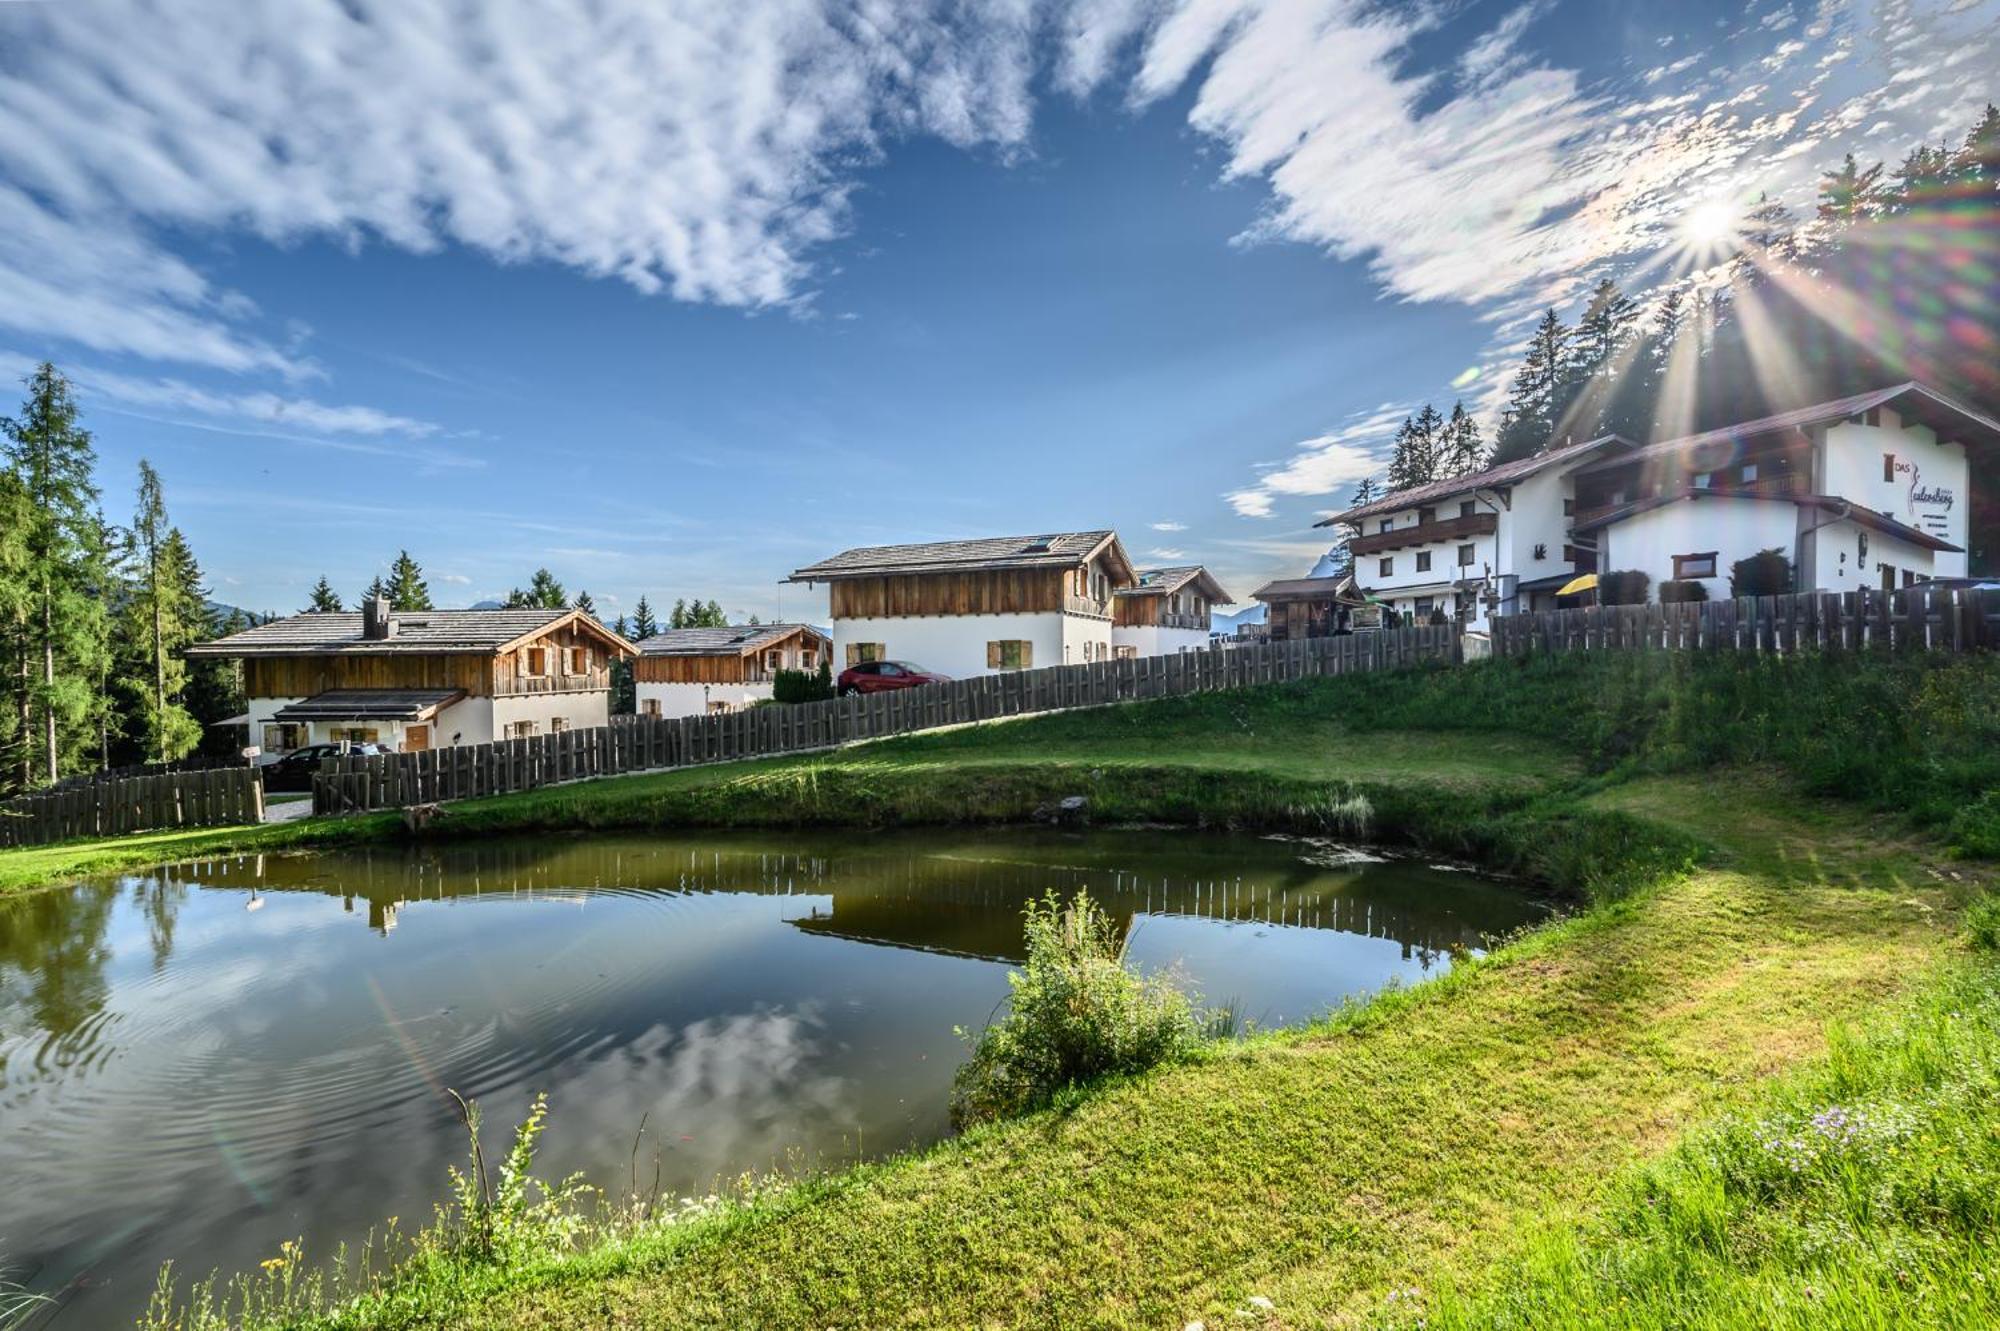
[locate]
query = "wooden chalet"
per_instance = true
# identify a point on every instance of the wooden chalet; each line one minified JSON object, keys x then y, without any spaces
{"x":1165,"y":610}
{"x":683,"y":672}
{"x":419,"y":679}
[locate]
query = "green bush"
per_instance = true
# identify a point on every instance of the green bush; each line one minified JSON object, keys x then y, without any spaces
{"x":792,"y":686}
{"x":1766,"y":573}
{"x":1674,"y":591}
{"x":1077,"y":1013}
{"x":1623,"y":587}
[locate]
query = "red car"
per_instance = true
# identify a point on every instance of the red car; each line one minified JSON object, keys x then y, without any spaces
{"x":881,"y":676}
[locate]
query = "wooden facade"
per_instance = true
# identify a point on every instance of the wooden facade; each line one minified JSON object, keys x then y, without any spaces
{"x":1081,"y":590}
{"x":1158,"y":611}
{"x":548,"y":663}
{"x":801,"y":649}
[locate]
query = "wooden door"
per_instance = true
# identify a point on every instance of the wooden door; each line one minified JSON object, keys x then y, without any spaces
{"x":416,"y":738}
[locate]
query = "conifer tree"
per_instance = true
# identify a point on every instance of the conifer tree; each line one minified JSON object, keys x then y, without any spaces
{"x":583,"y":602}
{"x":1850,"y":194}
{"x":59,"y":641}
{"x":375,"y":591}
{"x":1535,"y":405}
{"x":1462,"y":451}
{"x":407,"y":589}
{"x":643,"y":623}
{"x":167,"y":611}
{"x":325,"y":599}
{"x":543,"y":592}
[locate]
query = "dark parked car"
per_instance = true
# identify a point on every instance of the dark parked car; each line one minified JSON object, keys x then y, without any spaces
{"x":295,"y":770}
{"x":881,"y":676}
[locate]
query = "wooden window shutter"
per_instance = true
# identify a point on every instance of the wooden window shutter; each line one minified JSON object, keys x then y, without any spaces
{"x":853,"y":654}
{"x":1027,"y":655}
{"x":993,"y":655}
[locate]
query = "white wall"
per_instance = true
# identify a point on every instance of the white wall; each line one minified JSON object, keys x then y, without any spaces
{"x":1733,"y":528}
{"x":955,"y":645}
{"x":261,"y":710}
{"x":1839,"y":566}
{"x":1151,"y":640}
{"x":580,"y":710}
{"x":1932,"y":485}
{"x":694,"y":699}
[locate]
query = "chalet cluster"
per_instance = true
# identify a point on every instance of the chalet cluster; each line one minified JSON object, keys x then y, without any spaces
{"x":411,"y":681}
{"x":1870,"y":491}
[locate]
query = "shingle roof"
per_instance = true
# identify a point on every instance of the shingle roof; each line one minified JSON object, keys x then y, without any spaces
{"x":731,"y":641}
{"x":1507,"y":473}
{"x":1309,"y":589}
{"x":417,"y":631}
{"x":1928,"y":405}
{"x":369,"y":705}
{"x":1161,"y":581}
{"x":1057,"y":550}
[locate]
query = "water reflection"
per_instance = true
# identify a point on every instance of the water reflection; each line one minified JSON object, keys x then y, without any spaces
{"x":198,"y":1064}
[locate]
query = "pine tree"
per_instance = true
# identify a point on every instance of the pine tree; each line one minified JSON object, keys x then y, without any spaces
{"x":583,"y":602}
{"x":166,"y":612}
{"x":1602,"y":334}
{"x":325,"y":600}
{"x":543,"y":593}
{"x":1366,"y":491}
{"x":1924,"y":179}
{"x":1850,"y":194}
{"x":406,"y":588}
{"x":1418,"y":445}
{"x":1529,"y":423}
{"x":215,"y":684}
{"x":149,"y":537}
{"x":375,"y":591}
{"x":677,"y":618}
{"x":619,"y":628}
{"x":1462,"y":451}
{"x":60,"y":642}
{"x":1976,"y":165}
{"x":16,"y":729}
{"x":1769,"y":242}
{"x":643,"y":623}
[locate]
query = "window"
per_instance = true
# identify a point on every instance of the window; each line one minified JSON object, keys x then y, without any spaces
{"x":1387,"y":568}
{"x":1426,"y":515}
{"x":1704,"y":479}
{"x":558,"y":724}
{"x":1423,"y":561}
{"x":1387,"y":524}
{"x":523,"y":729}
{"x":1747,"y":473}
{"x":1124,"y":653}
{"x":1423,"y":607}
{"x":536,"y":661}
{"x":1889,"y":468}
{"x":1569,"y":554}
{"x":772,"y":660}
{"x":1694,"y":566}
{"x":1465,"y":554}
{"x":859,"y":653}
{"x":888,"y":670}
{"x":356,"y":734}
{"x":1466,"y":508}
{"x":283,"y":737}
{"x":1569,"y":508}
{"x":579,"y":660}
{"x":650,"y":707}
{"x":1010,"y":654}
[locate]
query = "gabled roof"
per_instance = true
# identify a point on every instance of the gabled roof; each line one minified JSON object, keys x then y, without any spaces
{"x":1507,"y":473}
{"x":737,"y":640}
{"x":1342,"y":588}
{"x":418,"y":632}
{"x":1947,"y":416}
{"x":1164,"y":581}
{"x":1834,"y":504}
{"x":1058,"y":550}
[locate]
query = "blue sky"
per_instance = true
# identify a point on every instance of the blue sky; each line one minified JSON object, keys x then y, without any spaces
{"x":673,"y":298}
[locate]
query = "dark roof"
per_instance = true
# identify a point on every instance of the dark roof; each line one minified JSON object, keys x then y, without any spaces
{"x":1834,"y":504}
{"x":1507,"y":473}
{"x":732,"y":641}
{"x":1060,"y":550}
{"x":1162,"y":581}
{"x":370,"y":705}
{"x":1927,"y":406}
{"x":417,"y":632}
{"x":1309,"y":589}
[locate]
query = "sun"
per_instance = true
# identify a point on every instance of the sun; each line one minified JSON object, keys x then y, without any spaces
{"x":1710,"y":225}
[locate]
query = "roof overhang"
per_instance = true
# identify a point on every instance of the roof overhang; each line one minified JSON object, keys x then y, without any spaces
{"x":370,"y":705}
{"x":588,"y":623}
{"x":1204,"y":582}
{"x":1841,"y":509}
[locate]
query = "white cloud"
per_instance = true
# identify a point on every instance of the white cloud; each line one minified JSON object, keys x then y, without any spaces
{"x":1167,"y":553}
{"x":1324,"y":463}
{"x":1168,"y":526}
{"x":454,"y":579}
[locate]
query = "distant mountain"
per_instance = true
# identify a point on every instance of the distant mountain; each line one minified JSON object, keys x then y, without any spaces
{"x":487,"y":605}
{"x":1218,"y":622}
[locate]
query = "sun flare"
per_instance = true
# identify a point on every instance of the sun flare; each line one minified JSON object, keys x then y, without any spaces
{"x":1710,"y":225}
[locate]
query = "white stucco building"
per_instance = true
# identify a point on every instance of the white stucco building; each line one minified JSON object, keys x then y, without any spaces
{"x":1871,"y":491}
{"x":421,"y":679}
{"x":1165,"y":611}
{"x":689,"y":672}
{"x":1492,"y":541}
{"x":975,"y":607}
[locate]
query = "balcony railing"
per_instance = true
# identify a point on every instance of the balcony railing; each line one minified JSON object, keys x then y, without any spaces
{"x":1426,"y":533}
{"x":592,"y":679}
{"x":1183,"y":619}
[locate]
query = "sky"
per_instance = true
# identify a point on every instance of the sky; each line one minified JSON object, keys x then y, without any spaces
{"x":673,"y":297}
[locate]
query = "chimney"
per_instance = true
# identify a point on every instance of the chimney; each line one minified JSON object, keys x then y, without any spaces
{"x":375,"y":622}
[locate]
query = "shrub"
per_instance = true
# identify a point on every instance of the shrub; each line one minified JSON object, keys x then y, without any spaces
{"x":1674,"y":591}
{"x":1623,"y":587}
{"x":790,"y":686}
{"x":1766,"y":573}
{"x":1077,"y":1013}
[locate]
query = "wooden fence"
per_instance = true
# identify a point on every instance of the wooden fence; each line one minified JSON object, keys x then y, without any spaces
{"x":218,"y":797}
{"x":643,"y":744}
{"x":1916,"y":618}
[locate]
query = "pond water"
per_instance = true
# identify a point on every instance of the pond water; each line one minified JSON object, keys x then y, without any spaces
{"x":196,"y":1064}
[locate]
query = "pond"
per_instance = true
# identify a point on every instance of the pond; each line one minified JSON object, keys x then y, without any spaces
{"x":199,"y":1063}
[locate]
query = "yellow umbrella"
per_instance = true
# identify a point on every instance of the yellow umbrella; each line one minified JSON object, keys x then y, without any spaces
{"x":1586,"y":583}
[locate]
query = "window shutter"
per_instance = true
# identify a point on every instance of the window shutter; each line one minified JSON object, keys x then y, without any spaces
{"x":1027,"y":655}
{"x":992,"y":656}
{"x":853,"y":654}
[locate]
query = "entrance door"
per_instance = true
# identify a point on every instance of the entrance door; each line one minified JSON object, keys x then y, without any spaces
{"x":416,"y":738}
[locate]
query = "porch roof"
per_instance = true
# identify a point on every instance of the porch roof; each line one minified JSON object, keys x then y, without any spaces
{"x":371,"y":705}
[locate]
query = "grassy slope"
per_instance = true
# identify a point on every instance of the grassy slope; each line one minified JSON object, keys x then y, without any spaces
{"x":1422,"y":1139}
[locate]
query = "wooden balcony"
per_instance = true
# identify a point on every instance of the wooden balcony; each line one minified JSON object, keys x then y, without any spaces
{"x":526,"y":684}
{"x":1426,"y":533}
{"x":1185,"y":619}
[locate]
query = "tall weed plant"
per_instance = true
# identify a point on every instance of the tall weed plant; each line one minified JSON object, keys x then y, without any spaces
{"x":1077,"y":1012}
